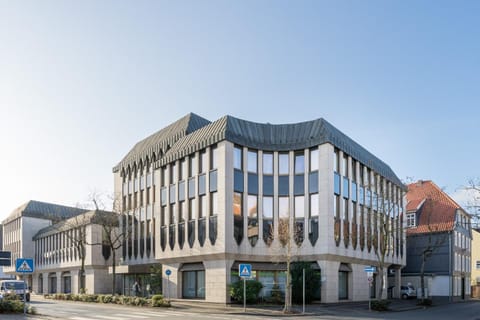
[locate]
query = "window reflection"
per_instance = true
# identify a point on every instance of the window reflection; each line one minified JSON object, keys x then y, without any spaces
{"x":300,"y":207}
{"x":267,"y":219}
{"x":283,"y":210}
{"x":314,"y":210}
{"x":267,"y":163}
{"x":283,"y":163}
{"x":314,"y":156}
{"x":252,"y":230}
{"x":237,"y":158}
{"x":237,"y":217}
{"x":299,"y":163}
{"x":252,"y":161}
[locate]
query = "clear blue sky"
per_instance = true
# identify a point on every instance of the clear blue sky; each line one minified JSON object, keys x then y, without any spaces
{"x":81,"y":82}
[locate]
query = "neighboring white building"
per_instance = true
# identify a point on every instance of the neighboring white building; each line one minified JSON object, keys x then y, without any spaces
{"x":203,"y":197}
{"x":24,"y":222}
{"x":58,"y":259}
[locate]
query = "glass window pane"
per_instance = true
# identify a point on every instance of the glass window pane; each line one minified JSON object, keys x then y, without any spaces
{"x":283,"y":163}
{"x":345,"y":187}
{"x":213,"y":181}
{"x":191,"y":188}
{"x":238,"y":180}
{"x":237,"y":158}
{"x":299,"y":184}
{"x":313,"y":182}
{"x":299,"y":207}
{"x":336,"y":183}
{"x":252,"y":161}
{"x":252,"y":183}
{"x":213,"y":157}
{"x":213,"y":203}
{"x":268,"y":163}
{"x":354,"y":192}
{"x":283,"y":207}
{"x":314,"y":159}
{"x":181,"y":191}
{"x":299,"y":163}
{"x":314,"y":208}
{"x":267,"y":207}
{"x":202,"y":184}
{"x":283,"y":185}
{"x":268,"y":185}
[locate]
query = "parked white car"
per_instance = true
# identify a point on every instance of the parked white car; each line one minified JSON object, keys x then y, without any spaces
{"x":15,"y":287}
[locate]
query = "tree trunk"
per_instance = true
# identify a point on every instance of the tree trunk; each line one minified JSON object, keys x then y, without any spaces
{"x":288,"y":299}
{"x":380,"y":288}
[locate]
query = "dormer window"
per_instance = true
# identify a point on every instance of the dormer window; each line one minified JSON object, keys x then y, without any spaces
{"x":411,"y":220}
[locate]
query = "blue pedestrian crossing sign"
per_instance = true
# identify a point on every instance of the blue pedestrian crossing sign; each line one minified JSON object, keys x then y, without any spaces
{"x":245,"y":270}
{"x":24,"y":265}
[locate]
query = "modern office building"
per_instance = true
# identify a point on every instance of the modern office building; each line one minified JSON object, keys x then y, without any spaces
{"x":202,"y":197}
{"x":439,"y":230}
{"x":60,"y":249}
{"x":24,"y":222}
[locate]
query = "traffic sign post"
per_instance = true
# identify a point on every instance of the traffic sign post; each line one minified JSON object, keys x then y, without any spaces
{"x":168,"y":272}
{"x":245,"y":271}
{"x":25,"y":266}
{"x":370,"y":270}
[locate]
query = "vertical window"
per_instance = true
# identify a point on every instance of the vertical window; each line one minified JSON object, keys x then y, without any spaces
{"x":267,"y":212}
{"x":173,"y":176}
{"x":237,"y":158}
{"x":283,"y":208}
{"x":336,"y":160}
{"x":299,"y":230}
{"x":252,"y":161}
{"x":267,"y":163}
{"x":299,"y":163}
{"x":191,"y":209}
{"x":252,"y":230}
{"x":173,"y":218}
{"x":283,"y":163}
{"x":213,"y":203}
{"x":213,"y":157}
{"x":182,"y":169}
{"x":202,"y":206}
{"x":345,"y":165}
{"x":203,"y":162}
{"x":314,"y":158}
{"x":314,"y":209}
{"x":192,"y":167}
{"x":237,"y":217}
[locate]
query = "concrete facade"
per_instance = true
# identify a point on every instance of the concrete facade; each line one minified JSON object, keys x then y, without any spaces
{"x":193,"y":195}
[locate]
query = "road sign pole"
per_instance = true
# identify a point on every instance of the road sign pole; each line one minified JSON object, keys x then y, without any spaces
{"x":303,"y":291}
{"x":369,"y":297}
{"x":168,"y":289}
{"x":244,"y":294}
{"x":24,"y":296}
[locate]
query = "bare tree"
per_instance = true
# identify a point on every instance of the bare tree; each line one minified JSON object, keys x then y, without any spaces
{"x":112,"y":232}
{"x":473,"y":205}
{"x":284,"y":251}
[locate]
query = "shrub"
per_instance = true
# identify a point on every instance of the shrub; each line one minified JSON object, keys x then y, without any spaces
{"x":253,"y":288}
{"x":380,"y":305}
{"x":276,"y":295}
{"x":312,"y":281}
{"x":159,"y":301}
{"x":14,"y":306}
{"x":138,"y":301}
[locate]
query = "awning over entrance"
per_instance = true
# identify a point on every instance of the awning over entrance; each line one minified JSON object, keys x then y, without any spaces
{"x":192,"y":267}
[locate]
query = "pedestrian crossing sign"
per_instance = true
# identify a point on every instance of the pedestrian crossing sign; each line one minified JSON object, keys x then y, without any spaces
{"x":24,"y":265}
{"x":245,"y":270}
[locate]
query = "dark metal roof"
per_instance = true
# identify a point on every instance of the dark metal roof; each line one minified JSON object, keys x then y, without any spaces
{"x":86,"y":218}
{"x":160,"y":142}
{"x":274,"y":137}
{"x":43,"y":210}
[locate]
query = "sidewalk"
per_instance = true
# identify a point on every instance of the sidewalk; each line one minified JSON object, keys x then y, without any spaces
{"x":199,"y":306}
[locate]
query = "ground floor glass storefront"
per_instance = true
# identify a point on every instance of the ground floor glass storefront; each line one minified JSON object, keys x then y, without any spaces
{"x":193,"y":284}
{"x":148,"y":284}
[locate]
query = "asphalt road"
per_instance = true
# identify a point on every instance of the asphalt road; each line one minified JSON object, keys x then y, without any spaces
{"x":49,"y":309}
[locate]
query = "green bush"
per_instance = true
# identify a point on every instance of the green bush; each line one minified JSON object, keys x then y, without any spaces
{"x":380,"y":305}
{"x":253,"y":288}
{"x":138,"y":301}
{"x":159,"y":301}
{"x":312,"y":281}
{"x":14,"y":306}
{"x":276,"y":295}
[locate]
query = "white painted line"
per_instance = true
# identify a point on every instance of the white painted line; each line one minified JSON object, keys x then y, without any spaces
{"x":80,"y":318}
